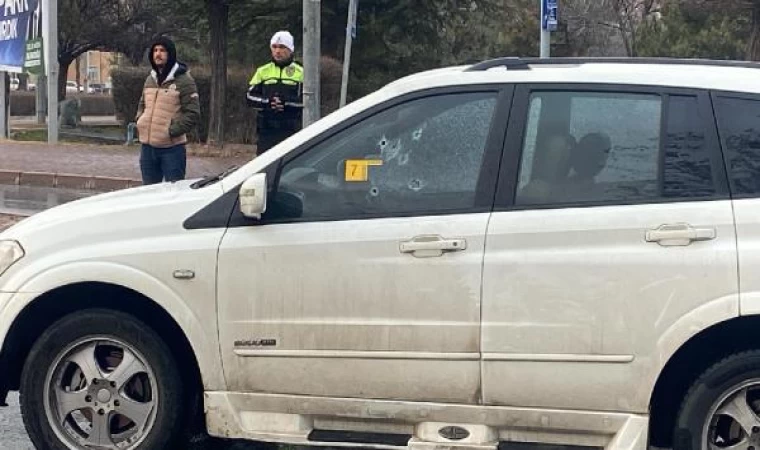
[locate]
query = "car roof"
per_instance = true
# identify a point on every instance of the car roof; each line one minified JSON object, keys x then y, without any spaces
{"x":737,"y":76}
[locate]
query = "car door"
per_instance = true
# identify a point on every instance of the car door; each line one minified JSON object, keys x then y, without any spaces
{"x":612,"y":223}
{"x":737,"y":115}
{"x":363,"y":279}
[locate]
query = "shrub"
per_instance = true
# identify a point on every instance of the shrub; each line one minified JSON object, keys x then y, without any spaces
{"x":126,"y":91}
{"x":23,"y":104}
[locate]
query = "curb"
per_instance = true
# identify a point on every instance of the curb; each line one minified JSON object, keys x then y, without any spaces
{"x":65,"y":180}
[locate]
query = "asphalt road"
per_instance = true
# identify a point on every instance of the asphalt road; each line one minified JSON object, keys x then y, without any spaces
{"x":12,"y":434}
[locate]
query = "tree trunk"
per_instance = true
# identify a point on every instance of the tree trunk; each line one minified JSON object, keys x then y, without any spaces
{"x":625,"y":24}
{"x":64,"y":61}
{"x":78,"y":71}
{"x":23,"y":81}
{"x":218,"y":23}
{"x":753,"y":46}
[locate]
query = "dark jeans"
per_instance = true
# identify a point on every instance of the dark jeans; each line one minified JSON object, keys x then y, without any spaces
{"x":159,"y":164}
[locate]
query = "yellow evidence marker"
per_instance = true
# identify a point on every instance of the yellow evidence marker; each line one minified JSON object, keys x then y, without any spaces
{"x":357,"y":170}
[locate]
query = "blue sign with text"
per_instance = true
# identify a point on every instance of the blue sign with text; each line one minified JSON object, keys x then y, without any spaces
{"x":19,"y":21}
{"x":550,"y":21}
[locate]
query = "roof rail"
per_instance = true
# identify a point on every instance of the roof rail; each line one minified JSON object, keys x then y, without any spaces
{"x":510,"y":63}
{"x":516,"y":63}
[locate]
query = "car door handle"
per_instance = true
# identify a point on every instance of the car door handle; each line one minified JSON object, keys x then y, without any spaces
{"x":432,"y":246}
{"x":679,"y":234}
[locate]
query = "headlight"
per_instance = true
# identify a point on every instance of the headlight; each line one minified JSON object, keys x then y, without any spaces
{"x":10,"y":252}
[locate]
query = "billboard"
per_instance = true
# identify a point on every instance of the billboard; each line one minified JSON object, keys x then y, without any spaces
{"x":20,"y":20}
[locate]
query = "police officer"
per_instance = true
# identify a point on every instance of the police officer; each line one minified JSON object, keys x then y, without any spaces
{"x":276,"y":91}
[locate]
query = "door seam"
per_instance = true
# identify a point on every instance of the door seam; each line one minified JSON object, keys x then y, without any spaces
{"x":481,"y":399}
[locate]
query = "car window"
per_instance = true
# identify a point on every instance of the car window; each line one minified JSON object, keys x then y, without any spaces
{"x":739,"y":128}
{"x":420,"y":157}
{"x":687,"y":171}
{"x":602,"y":147}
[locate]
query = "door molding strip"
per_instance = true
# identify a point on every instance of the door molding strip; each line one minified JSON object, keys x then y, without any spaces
{"x":610,"y":359}
{"x":339,"y":354}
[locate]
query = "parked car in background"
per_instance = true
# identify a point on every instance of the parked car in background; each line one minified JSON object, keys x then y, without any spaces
{"x":72,"y":87}
{"x":96,"y":88}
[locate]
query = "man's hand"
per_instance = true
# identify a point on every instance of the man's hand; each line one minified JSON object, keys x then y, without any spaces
{"x":277,"y":104}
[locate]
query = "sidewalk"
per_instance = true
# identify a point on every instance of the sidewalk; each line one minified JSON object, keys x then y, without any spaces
{"x":95,"y":160}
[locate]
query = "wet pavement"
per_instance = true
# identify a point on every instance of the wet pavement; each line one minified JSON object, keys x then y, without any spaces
{"x":102,"y":160}
{"x":6,"y":220}
{"x":27,"y":200}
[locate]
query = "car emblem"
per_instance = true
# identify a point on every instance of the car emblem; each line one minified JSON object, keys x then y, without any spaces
{"x":454,"y":433}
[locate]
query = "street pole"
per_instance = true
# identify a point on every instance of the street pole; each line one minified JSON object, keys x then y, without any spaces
{"x":40,"y":95}
{"x":87,"y":73}
{"x":4,"y":110}
{"x":312,"y":10}
{"x":545,"y":33}
{"x":50,"y":27}
{"x":350,"y":30}
{"x":40,"y":98}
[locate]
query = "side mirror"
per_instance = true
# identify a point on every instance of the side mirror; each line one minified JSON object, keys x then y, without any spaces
{"x":253,"y":196}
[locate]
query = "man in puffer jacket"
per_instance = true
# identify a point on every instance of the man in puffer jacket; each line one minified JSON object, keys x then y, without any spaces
{"x":169,"y":109}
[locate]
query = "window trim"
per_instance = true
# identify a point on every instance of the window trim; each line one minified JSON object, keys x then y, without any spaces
{"x":664,"y":123}
{"x":487,"y":177}
{"x":510,"y":170}
{"x":714,"y":96}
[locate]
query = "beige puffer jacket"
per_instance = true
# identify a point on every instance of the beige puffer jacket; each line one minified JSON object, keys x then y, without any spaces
{"x":167,"y":112}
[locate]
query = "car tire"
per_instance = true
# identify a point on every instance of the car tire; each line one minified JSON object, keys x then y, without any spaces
{"x":722,"y":407}
{"x":106,"y":369}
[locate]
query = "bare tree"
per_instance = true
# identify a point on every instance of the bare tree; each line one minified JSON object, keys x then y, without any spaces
{"x":591,"y":28}
{"x":109,"y":25}
{"x":630,"y":14}
{"x":605,"y":25}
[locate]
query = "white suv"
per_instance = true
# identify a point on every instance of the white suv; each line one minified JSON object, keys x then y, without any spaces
{"x":544,"y":252}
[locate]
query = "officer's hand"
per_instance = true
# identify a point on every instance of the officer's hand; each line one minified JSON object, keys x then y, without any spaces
{"x":277,"y":104}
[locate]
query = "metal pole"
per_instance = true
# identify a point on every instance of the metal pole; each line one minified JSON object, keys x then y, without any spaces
{"x":545,"y":34}
{"x":4,"y":111}
{"x":87,"y":73}
{"x":311,"y":52}
{"x":350,"y":26}
{"x":50,"y":27}
{"x":40,"y":99}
